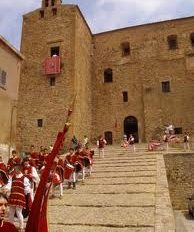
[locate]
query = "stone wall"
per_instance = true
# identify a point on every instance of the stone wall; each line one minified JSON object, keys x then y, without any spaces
{"x":140,"y":74}
{"x":82,"y":80}
{"x":10,"y":62}
{"x":180,"y":174}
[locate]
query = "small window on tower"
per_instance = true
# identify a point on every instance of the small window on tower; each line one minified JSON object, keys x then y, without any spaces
{"x":54,"y":10}
{"x":172,"y":42}
{"x":40,"y":122}
{"x":42,"y":13}
{"x":166,"y":86}
{"x":54,"y":51}
{"x":46,"y":3}
{"x":192,"y":39}
{"x":125,"y":96}
{"x":125,"y":48}
{"x":52,"y":2}
{"x":52,"y":81}
{"x":108,"y":75}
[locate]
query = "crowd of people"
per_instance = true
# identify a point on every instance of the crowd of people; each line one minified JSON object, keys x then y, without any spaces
{"x":19,"y":178}
{"x":128,"y":143}
{"x":169,"y":137}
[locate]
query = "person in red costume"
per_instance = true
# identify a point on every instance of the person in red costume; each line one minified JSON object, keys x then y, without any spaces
{"x":5,"y":226}
{"x":34,"y":156}
{"x":3,"y":173}
{"x":101,"y":142}
{"x":13,"y":161}
{"x":19,"y":186}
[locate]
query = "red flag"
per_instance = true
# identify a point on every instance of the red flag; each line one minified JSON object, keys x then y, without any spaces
{"x":37,"y":221}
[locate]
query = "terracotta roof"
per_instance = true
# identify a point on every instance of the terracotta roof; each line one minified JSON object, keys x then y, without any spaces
{"x":11,"y":48}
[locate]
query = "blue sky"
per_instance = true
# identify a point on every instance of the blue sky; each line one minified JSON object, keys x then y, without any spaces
{"x":101,"y":15}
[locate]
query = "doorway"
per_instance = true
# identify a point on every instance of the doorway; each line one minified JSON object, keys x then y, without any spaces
{"x":131,"y":127}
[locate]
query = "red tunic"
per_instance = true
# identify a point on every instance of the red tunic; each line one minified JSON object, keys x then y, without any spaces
{"x":17,"y":196}
{"x":27,"y":171}
{"x":60,"y":170}
{"x":7,"y":227}
{"x":34,"y":159}
{"x":74,"y":158}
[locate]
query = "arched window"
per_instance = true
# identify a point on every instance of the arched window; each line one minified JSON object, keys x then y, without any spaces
{"x":52,"y":2}
{"x":108,"y":76}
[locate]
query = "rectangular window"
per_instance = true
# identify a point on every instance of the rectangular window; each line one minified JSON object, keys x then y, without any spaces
{"x":52,"y":2}
{"x":172,"y":42}
{"x":178,"y":130}
{"x":108,"y":76}
{"x":46,"y":3}
{"x":3,"y":79}
{"x":54,"y":51}
{"x":125,"y":96}
{"x":192,"y":39}
{"x":42,"y":13}
{"x":125,"y":48}
{"x":166,"y":86}
{"x":54,"y":10}
{"x":52,"y":81}
{"x":40,"y":122}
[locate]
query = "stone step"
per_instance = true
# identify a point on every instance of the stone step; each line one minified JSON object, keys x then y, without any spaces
{"x":123,"y":165}
{"x":121,"y":161}
{"x":84,"y":228}
{"x":113,"y":189}
{"x":121,"y":180}
{"x":104,"y":216}
{"x":100,"y":200}
{"x":125,"y":169}
{"x":122,"y":194}
{"x":124,"y":174}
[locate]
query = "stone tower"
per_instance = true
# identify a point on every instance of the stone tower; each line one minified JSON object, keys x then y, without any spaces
{"x":56,"y":43}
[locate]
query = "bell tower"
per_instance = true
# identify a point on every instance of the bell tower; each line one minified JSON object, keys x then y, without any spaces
{"x":51,"y":3}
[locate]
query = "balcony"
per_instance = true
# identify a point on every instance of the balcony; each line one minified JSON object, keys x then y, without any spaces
{"x":51,"y":65}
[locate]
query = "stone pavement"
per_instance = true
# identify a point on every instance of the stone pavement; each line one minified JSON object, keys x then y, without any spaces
{"x":126,"y":192}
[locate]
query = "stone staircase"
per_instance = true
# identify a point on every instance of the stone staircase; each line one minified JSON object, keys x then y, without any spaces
{"x":126,"y":192}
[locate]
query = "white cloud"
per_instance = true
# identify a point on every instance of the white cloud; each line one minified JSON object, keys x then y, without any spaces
{"x":111,"y":14}
{"x":101,"y":15}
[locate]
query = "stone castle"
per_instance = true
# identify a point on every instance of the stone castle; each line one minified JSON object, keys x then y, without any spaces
{"x":130,"y":80}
